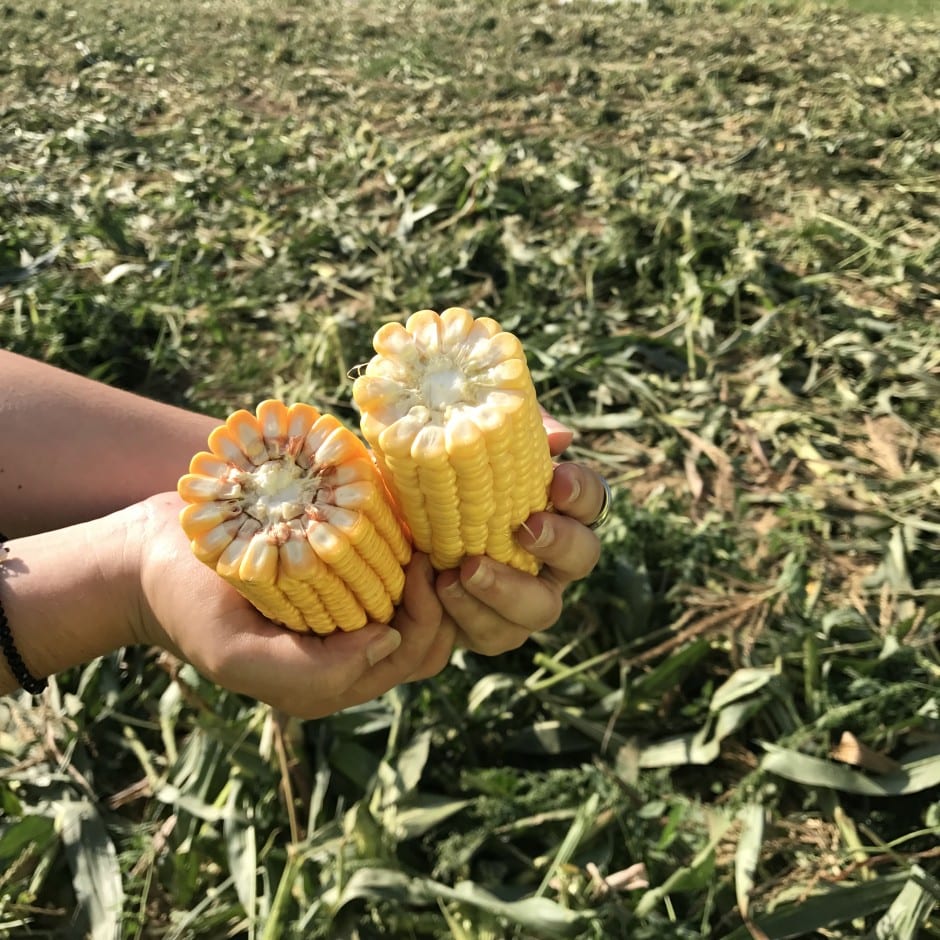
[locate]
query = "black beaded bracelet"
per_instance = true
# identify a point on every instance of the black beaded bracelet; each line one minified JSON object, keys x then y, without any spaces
{"x":12,"y":655}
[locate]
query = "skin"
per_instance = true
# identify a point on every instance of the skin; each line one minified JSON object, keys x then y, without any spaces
{"x":92,"y":551}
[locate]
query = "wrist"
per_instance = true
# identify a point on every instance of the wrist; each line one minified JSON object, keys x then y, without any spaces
{"x":69,"y":595}
{"x":119,"y":550}
{"x":158,"y":545}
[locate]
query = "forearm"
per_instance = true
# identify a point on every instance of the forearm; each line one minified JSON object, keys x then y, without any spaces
{"x":71,"y":595}
{"x":72,"y":449}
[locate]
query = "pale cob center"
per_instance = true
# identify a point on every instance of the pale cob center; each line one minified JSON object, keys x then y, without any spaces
{"x":278,"y":491}
{"x":443,"y":386}
{"x":439,"y":385}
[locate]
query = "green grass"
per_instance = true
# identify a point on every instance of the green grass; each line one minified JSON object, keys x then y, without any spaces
{"x":716,"y":233}
{"x":922,"y":9}
{"x":919,"y":8}
{"x":900,"y":8}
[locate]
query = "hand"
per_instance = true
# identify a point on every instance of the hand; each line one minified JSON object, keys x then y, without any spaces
{"x":185,"y":608}
{"x":495,"y":608}
{"x":188,"y":610}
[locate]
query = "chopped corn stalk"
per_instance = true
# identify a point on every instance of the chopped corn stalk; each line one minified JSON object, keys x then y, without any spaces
{"x":289,"y":508}
{"x":449,"y":408}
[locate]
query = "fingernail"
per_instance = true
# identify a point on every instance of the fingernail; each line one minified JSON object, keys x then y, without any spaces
{"x":575,"y":489}
{"x":383,"y":647}
{"x":482,"y":578}
{"x":546,"y":536}
{"x":453,"y":588}
{"x":554,"y":423}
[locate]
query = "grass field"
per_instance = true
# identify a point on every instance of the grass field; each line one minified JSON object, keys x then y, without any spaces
{"x":915,"y":8}
{"x":928,"y":9}
{"x":717,"y":232}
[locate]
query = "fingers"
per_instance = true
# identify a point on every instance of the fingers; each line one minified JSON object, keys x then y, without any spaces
{"x":567,"y":549}
{"x":418,"y":601}
{"x":434,"y":656}
{"x":310,"y":676}
{"x":427,"y":632}
{"x":577,"y":492}
{"x":427,"y":635}
{"x":299,"y":673}
{"x":485,"y":597}
{"x":559,"y":436}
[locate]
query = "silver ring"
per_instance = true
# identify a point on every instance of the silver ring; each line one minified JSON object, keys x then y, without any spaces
{"x":604,"y":513}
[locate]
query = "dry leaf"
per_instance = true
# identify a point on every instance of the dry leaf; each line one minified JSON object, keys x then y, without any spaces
{"x":850,"y":750}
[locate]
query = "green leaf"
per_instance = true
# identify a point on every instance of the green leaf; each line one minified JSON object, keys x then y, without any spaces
{"x":741,"y":684}
{"x":419,"y":814}
{"x":704,"y":745}
{"x":92,"y":858}
{"x":16,"y":837}
{"x":488,"y":686}
{"x":915,"y":775}
{"x":358,"y":763}
{"x":826,"y":909}
{"x":747,"y":853}
{"x":396,"y":781}
{"x":191,"y":804}
{"x":547,"y":737}
{"x":691,"y":877}
{"x":543,"y":917}
{"x":581,"y":825}
{"x":910,"y":910}
{"x":671,"y":670}
{"x":242,"y":851}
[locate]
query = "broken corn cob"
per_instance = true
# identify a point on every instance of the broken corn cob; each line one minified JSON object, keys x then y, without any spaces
{"x":449,"y":408}
{"x":289,"y":508}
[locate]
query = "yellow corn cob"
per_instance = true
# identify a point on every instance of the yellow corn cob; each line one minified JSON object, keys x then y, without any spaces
{"x":448,"y":406}
{"x":289,"y":508}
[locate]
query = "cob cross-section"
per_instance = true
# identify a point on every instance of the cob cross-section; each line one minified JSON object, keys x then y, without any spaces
{"x":449,"y":408}
{"x":288,"y":506}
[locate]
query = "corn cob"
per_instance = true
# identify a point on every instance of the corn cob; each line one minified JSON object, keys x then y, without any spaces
{"x":289,"y":508}
{"x":449,"y":409}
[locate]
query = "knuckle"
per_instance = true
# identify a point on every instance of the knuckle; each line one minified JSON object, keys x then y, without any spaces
{"x":495,"y":644}
{"x":553,"y":614}
{"x":593,"y":554}
{"x":433,"y":665}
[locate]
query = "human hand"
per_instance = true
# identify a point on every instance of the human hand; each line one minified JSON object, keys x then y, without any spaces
{"x":496,"y":608}
{"x":185,"y":608}
{"x":206,"y":622}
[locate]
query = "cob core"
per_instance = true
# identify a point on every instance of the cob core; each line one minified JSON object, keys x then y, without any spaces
{"x":289,"y":508}
{"x":449,"y":409}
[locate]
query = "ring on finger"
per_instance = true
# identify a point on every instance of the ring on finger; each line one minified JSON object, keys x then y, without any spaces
{"x":604,"y":513}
